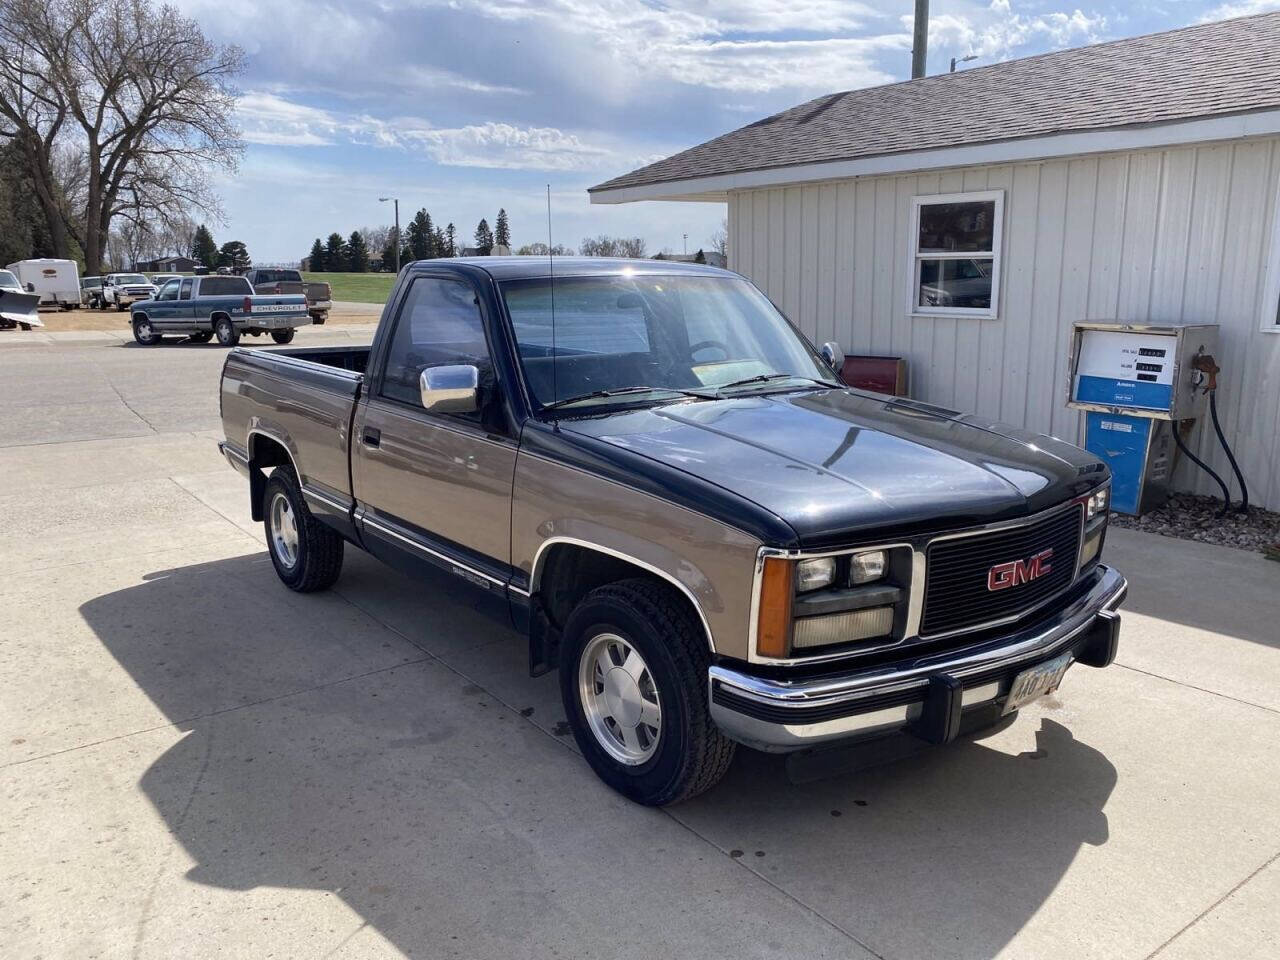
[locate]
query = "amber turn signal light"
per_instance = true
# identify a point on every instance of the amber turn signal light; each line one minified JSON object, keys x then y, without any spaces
{"x":777,"y":586}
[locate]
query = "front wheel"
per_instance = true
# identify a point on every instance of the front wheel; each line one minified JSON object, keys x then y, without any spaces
{"x":226,"y":332}
{"x":307,"y":555}
{"x":143,"y":332}
{"x":633,"y":678}
{"x":284,"y":335}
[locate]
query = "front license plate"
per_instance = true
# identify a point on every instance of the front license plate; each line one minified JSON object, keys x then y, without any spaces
{"x":1036,"y":682}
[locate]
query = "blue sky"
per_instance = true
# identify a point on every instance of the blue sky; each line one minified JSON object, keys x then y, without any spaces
{"x":465,"y":106}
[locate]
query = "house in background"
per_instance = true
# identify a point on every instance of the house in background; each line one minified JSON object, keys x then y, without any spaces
{"x":964,"y":221}
{"x":165,"y":265}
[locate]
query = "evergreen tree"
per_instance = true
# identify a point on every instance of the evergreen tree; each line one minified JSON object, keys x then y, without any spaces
{"x":234,"y":254}
{"x":335,"y":253}
{"x":450,"y":241}
{"x":420,"y":236}
{"x":389,"y":251}
{"x":406,"y":254}
{"x":484,"y":238}
{"x":317,"y":257}
{"x":203,"y":250}
{"x":440,"y":243}
{"x":357,"y":253}
{"x":502,"y":230}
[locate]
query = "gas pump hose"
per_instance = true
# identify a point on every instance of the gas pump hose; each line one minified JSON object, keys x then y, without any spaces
{"x":1244,"y":490}
{"x":1226,"y":494}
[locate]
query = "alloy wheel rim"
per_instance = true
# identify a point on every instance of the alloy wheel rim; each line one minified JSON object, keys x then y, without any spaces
{"x":284,"y":530}
{"x":619,"y":699}
{"x":144,"y":330}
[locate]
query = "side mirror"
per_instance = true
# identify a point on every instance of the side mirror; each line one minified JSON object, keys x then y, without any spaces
{"x":31,"y":288}
{"x":834,"y":356}
{"x":451,"y":389}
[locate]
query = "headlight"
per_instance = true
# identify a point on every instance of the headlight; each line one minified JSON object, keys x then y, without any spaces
{"x":865,"y":567}
{"x":815,"y":574}
{"x":1097,"y":504}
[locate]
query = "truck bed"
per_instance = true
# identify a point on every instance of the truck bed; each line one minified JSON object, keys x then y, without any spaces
{"x":302,"y":399}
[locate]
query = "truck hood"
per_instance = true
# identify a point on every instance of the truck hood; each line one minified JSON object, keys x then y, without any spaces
{"x":842,"y":465}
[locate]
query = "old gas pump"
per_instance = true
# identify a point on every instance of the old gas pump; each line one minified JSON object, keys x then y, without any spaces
{"x":1138,"y":384}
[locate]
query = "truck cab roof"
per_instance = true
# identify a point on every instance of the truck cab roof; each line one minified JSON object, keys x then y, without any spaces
{"x":528,"y":268}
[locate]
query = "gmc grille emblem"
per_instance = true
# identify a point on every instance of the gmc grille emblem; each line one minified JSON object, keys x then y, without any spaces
{"x":1005,"y":575}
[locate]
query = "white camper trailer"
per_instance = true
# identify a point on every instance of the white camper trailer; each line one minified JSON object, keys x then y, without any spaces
{"x":56,"y":282}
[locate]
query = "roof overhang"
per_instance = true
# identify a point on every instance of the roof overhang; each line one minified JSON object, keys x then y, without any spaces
{"x":715,"y":189}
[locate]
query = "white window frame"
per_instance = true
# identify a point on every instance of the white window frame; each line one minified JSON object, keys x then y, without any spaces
{"x":1269,"y":322}
{"x":914,"y":256}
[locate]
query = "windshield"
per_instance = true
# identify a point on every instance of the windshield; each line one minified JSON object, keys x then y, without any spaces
{"x":132,"y":278}
{"x":668,"y":333}
{"x":7,"y":279}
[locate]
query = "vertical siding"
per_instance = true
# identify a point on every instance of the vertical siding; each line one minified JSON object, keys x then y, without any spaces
{"x":1160,"y":236}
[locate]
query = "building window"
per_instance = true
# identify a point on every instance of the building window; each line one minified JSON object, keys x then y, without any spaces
{"x":1271,"y":277}
{"x":955,"y":254}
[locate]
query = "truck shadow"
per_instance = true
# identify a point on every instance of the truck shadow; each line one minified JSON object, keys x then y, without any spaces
{"x":447,"y":822}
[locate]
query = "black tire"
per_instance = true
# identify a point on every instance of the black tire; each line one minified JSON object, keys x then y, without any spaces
{"x":226,"y":331}
{"x":284,"y":335}
{"x":691,"y":754}
{"x":318,"y":560}
{"x":143,"y":332}
{"x":201,"y":336}
{"x":319,"y":318}
{"x":120,"y":307}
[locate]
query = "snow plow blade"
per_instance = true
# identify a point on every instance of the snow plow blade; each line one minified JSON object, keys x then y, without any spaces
{"x":19,"y":309}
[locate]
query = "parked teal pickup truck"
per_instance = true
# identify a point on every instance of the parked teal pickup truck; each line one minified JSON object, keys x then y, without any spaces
{"x":224,"y":307}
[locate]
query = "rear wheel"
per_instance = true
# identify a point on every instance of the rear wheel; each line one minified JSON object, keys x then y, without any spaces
{"x":307,"y":555}
{"x":284,"y":335}
{"x":143,"y":332}
{"x":633,"y":678}
{"x":226,"y":331}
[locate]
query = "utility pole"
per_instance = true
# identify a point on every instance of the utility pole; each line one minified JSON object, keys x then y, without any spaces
{"x":686,"y":243}
{"x":920,"y":40}
{"x":399,"y":242}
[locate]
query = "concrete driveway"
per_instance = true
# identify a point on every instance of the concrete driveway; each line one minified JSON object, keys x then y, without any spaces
{"x":195,"y":762}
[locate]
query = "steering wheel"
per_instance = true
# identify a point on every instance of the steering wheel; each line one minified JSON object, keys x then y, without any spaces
{"x":701,"y":345}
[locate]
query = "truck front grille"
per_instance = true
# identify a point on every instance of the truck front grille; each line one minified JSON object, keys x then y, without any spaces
{"x":958,"y":594}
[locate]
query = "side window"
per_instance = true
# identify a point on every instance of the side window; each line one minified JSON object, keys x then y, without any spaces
{"x":186,"y":289}
{"x":169,"y":291}
{"x":955,"y":246}
{"x":438,"y":324}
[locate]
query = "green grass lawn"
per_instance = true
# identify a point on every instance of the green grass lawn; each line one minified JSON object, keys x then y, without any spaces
{"x":359,"y":287}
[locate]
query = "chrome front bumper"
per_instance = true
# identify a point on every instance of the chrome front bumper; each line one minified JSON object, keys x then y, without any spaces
{"x":926,"y":695}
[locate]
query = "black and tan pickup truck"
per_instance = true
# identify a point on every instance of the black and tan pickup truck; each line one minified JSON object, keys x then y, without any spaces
{"x":665,"y":488}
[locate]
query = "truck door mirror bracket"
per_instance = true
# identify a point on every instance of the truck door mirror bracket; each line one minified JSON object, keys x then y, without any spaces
{"x":450,"y":389}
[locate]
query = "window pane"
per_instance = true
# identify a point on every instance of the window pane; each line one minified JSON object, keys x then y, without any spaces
{"x":438,"y":325}
{"x":955,"y":283}
{"x":963,"y":227}
{"x":186,"y":289}
{"x":225,"y":287}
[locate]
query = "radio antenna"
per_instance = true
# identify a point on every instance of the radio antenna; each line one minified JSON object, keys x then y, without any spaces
{"x":551,"y":264}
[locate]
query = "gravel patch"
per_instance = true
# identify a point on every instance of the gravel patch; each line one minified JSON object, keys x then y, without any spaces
{"x":1190,"y":517}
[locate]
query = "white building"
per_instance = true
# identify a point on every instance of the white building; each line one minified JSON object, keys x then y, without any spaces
{"x":964,"y":221}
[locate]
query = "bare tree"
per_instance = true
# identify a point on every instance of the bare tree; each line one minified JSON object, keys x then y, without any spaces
{"x":720,"y":239}
{"x":606,"y":246}
{"x":134,"y":92}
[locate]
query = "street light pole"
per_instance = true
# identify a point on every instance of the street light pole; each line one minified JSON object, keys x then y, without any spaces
{"x":396,"y":201}
{"x":955,"y":60}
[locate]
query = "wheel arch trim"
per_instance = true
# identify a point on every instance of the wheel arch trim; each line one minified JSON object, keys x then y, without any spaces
{"x":539,"y":563}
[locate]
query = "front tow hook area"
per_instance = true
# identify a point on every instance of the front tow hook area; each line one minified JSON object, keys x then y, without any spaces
{"x":943,"y":706}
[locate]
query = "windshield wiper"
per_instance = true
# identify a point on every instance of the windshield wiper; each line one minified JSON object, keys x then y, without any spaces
{"x":769,"y":377}
{"x":620,"y":392}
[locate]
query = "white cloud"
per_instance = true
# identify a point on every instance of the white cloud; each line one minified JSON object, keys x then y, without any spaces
{"x":1243,"y":9}
{"x":1002,"y":36}
{"x":505,"y":147}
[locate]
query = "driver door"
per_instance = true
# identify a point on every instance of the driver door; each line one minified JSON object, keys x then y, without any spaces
{"x":435,"y":487}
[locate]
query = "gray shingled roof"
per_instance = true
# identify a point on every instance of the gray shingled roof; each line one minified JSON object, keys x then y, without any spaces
{"x":1232,"y":66}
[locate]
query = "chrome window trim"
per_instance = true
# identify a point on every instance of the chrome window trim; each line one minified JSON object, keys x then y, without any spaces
{"x":536,"y":574}
{"x":919,"y":546}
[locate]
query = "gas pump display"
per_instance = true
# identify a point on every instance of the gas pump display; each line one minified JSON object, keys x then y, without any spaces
{"x":1139,"y":384}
